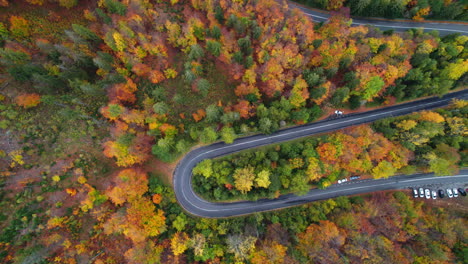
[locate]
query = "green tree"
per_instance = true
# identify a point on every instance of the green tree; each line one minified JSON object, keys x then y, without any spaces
{"x":228,"y":134}
{"x":230,"y":117}
{"x":196,"y":52}
{"x":208,"y":135}
{"x":204,"y":168}
{"x":115,"y":7}
{"x":373,"y":87}
{"x":213,"y":113}
{"x":299,"y":183}
{"x":213,"y":47}
{"x":160,"y":108}
{"x":85,"y":33}
{"x":339,"y":96}
{"x":203,"y":85}
{"x":265,"y":125}
{"x":215,"y":32}
{"x":182,"y":146}
{"x":180,"y":222}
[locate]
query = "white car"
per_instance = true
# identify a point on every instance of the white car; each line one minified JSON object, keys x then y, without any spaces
{"x":455,"y":192}
{"x":434,"y":195}
{"x":449,"y":193}
{"x":421,"y":192}
{"x":427,"y":192}
{"x":415,"y":193}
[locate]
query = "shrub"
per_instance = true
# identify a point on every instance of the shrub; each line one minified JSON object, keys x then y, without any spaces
{"x":28,"y":100}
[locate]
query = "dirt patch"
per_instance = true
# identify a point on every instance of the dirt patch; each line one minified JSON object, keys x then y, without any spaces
{"x":24,"y":176}
{"x":165,"y":170}
{"x":8,"y":143}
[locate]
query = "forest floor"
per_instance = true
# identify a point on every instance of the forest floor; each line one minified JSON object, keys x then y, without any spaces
{"x":164,"y":170}
{"x":47,"y":21}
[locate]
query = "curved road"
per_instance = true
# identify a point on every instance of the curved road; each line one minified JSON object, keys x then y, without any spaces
{"x":398,"y":25}
{"x":197,"y":206}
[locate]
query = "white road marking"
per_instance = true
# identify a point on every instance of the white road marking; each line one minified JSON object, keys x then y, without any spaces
{"x":274,"y":136}
{"x":428,"y":28}
{"x":273,"y":202}
{"x":392,"y":26}
{"x":316,"y":16}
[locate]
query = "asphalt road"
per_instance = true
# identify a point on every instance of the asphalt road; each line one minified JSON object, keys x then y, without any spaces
{"x":443,"y":28}
{"x":195,"y":205}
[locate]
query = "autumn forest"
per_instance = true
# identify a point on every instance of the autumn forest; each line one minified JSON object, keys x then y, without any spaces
{"x":99,"y":101}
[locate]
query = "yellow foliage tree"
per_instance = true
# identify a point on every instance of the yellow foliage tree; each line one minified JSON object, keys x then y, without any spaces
{"x":456,"y":70}
{"x":407,"y":124}
{"x":36,"y":2}
{"x":179,"y":243}
{"x":422,"y":12}
{"x":431,"y":117}
{"x":313,"y":169}
{"x":299,"y":93}
{"x":244,"y":178}
{"x":263,"y":179}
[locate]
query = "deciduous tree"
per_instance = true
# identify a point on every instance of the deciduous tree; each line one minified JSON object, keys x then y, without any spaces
{"x":244,"y":179}
{"x":28,"y":100}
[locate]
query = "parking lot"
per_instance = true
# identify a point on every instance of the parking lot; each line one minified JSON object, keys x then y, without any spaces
{"x":439,"y":192}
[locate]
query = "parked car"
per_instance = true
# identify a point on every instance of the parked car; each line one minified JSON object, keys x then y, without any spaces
{"x":415,"y":193}
{"x":421,"y":192}
{"x":434,"y":195}
{"x":352,"y":178}
{"x":449,"y":193}
{"x":455,"y":192}
{"x":462,"y":192}
{"x":441,"y":193}
{"x":427,"y":192}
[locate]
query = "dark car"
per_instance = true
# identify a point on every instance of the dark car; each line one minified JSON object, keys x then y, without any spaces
{"x":441,"y":193}
{"x":461,"y":191}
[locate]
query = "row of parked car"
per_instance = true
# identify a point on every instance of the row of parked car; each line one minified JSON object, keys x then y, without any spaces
{"x":450,"y":192}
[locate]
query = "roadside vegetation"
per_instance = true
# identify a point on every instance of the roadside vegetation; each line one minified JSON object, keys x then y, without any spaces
{"x":416,"y":10}
{"x":92,"y":92}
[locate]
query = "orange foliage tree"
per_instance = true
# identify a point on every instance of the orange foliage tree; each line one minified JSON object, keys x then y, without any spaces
{"x":138,"y":221}
{"x":129,"y":149}
{"x":129,"y":185}
{"x":19,"y":27}
{"x":139,"y":218}
{"x":320,"y":243}
{"x":28,"y":100}
{"x":359,"y":150}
